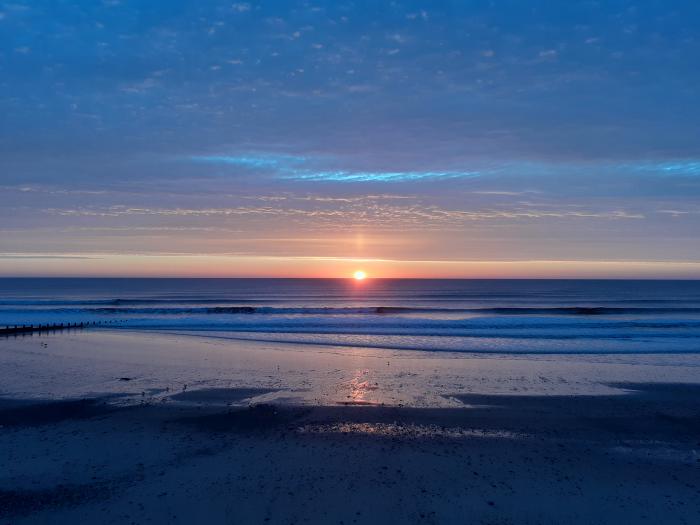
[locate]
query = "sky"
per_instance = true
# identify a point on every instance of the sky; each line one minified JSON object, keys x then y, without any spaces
{"x":313,"y":138}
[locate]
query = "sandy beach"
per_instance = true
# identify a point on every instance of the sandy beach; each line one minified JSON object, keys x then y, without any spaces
{"x":129,"y":427}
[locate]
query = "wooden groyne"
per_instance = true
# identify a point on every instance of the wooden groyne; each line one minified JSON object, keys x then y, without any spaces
{"x":33,"y":328}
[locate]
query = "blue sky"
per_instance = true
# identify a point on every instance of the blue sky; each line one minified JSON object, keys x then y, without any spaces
{"x":303,"y":137}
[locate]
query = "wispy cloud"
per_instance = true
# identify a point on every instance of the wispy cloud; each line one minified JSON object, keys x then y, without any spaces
{"x":683,"y":167}
{"x":678,"y":213}
{"x":52,"y":191}
{"x":43,"y":256}
{"x":315,"y":169}
{"x":303,"y":168}
{"x":504,"y":193}
{"x":377,"y":176}
{"x":348,"y":214}
{"x":276,"y":161}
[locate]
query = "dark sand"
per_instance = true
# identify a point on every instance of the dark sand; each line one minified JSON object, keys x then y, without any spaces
{"x":500,"y":459}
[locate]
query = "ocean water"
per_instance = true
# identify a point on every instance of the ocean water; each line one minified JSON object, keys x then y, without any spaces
{"x":496,"y":316}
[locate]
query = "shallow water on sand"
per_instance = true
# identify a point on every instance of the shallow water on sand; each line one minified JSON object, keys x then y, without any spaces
{"x":153,"y":366}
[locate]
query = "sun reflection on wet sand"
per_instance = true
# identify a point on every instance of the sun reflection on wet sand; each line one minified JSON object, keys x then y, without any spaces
{"x":360,"y":388}
{"x":410,"y":431}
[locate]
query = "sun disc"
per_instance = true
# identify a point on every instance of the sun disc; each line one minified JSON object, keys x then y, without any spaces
{"x":359,"y":275}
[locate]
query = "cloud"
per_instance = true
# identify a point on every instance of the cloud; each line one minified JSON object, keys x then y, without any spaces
{"x":348,"y":213}
{"x":504,"y":193}
{"x":413,"y":16}
{"x":376,"y":176}
{"x":309,"y":169}
{"x":251,"y":161}
{"x":303,"y":168}
{"x":42,"y":256}
{"x":52,"y":191}
{"x":674,"y":168}
{"x":678,"y":213}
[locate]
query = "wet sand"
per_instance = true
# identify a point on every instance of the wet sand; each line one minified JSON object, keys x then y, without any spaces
{"x":153,"y":366}
{"x":196,"y":451}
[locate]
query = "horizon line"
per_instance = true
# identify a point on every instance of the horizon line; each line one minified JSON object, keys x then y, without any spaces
{"x":348,"y":278}
{"x":95,"y":265}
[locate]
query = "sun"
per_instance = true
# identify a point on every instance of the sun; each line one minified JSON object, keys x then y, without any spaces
{"x":359,"y":275}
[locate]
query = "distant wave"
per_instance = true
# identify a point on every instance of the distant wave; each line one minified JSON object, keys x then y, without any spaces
{"x":557,"y":310}
{"x":522,"y":328}
{"x":512,"y":346}
{"x":118,"y":302}
{"x":98,"y":308}
{"x":263,"y":298}
{"x":489,"y":316}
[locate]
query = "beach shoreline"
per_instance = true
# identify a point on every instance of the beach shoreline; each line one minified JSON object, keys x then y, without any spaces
{"x":127,"y":427}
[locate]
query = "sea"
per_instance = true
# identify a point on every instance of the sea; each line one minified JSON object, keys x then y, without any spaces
{"x":424,"y":315}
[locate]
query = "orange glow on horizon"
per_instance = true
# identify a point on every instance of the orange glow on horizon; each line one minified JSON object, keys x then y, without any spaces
{"x":191,"y":266}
